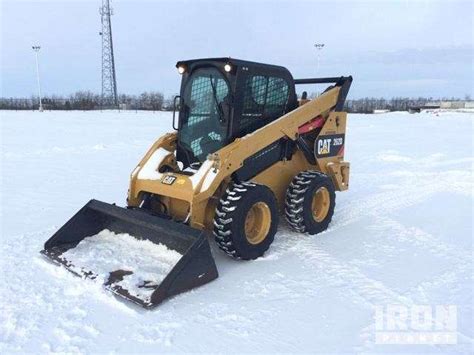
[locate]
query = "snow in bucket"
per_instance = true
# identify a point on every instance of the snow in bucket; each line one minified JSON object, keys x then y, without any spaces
{"x":107,"y":251}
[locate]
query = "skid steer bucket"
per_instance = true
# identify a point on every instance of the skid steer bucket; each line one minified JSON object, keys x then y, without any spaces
{"x":138,"y":256}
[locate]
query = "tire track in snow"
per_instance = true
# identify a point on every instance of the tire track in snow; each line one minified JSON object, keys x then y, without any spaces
{"x":417,"y":187}
{"x":339,"y":274}
{"x":350,"y":280}
{"x":422,"y":239}
{"x":355,"y":282}
{"x":449,"y":280}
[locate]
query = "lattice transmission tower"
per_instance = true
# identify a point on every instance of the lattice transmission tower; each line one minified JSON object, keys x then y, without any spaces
{"x":109,"y":81}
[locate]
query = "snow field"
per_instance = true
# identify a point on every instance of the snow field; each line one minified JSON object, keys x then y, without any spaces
{"x":402,"y":235}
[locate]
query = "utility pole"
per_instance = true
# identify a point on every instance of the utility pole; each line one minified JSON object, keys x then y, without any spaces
{"x":319,"y":47}
{"x":36,"y":50}
{"x":109,"y":82}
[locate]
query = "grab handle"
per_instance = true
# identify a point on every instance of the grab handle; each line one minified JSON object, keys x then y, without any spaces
{"x":177,"y":97}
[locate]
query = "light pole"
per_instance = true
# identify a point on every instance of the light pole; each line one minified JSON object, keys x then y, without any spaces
{"x":319,"y":47}
{"x":36,"y":49}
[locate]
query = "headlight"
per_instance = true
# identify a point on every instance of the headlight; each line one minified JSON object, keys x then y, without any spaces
{"x":227,"y":67}
{"x":181,"y":69}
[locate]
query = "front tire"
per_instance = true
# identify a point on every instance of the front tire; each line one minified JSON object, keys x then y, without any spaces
{"x":310,"y":202}
{"x":246,"y":220}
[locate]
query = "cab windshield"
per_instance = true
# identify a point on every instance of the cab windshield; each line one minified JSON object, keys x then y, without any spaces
{"x":202,"y":130}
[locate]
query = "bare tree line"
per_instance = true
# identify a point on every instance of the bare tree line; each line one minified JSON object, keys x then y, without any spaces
{"x":369,"y":104}
{"x":86,"y":100}
{"x":155,"y":101}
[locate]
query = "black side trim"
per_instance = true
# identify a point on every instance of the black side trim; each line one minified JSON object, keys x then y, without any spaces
{"x":307,"y":151}
{"x":335,"y":79}
{"x":346,"y":85}
{"x":271,"y":154}
{"x":343,"y":81}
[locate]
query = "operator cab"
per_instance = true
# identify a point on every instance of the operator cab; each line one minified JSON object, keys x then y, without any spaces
{"x":222,"y":99}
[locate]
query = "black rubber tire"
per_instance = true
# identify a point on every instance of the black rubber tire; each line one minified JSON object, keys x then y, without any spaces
{"x":299,"y":196}
{"x":229,"y":221}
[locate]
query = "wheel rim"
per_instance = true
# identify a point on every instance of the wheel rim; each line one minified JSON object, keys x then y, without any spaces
{"x":320,"y":204}
{"x":257,"y":223}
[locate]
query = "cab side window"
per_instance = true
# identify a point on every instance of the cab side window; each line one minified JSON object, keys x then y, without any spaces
{"x":265,"y":99}
{"x":277,"y":96}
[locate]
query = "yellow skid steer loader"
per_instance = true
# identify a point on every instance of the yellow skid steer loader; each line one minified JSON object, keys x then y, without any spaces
{"x":244,"y":151}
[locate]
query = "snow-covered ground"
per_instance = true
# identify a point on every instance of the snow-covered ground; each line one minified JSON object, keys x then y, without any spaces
{"x":402,"y":235}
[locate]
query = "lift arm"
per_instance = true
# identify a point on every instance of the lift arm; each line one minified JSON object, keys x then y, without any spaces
{"x":231,"y":157}
{"x":223,"y":163}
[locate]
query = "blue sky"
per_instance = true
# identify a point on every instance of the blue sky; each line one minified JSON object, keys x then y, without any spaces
{"x":392,"y":48}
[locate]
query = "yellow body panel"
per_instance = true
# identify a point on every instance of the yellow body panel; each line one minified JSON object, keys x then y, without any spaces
{"x":279,"y":175}
{"x":335,"y":166}
{"x":194,"y":198}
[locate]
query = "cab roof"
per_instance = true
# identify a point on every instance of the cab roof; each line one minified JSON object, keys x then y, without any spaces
{"x":232,"y":61}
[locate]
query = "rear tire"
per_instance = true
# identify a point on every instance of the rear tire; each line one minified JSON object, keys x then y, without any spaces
{"x":310,"y":202}
{"x":246,"y":220}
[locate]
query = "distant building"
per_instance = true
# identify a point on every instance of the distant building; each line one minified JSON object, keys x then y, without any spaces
{"x":451,"y":104}
{"x":443,"y":105}
{"x":428,"y":106}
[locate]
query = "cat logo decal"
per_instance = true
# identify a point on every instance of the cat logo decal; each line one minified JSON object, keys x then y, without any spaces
{"x":329,"y":146}
{"x":168,"y":180}
{"x":324,"y":146}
